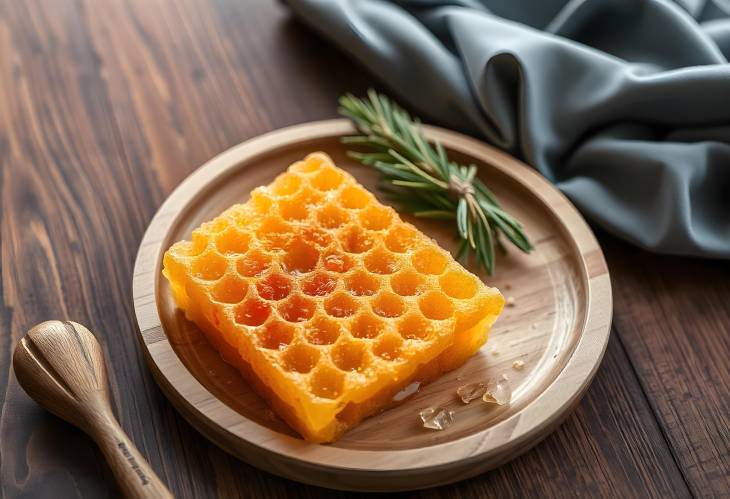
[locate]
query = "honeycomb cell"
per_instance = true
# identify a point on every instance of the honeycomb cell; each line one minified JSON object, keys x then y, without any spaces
{"x":407,"y":283}
{"x":297,"y":309}
{"x":305,"y":167}
{"x":300,"y":358}
{"x":401,"y":238}
{"x":388,"y":304}
{"x":436,"y":305}
{"x":388,"y":347}
{"x":327,"y":179}
{"x":252,"y":312}
{"x":459,"y":284}
{"x":209,"y":266}
{"x":337,"y":262}
{"x":322,"y":331}
{"x":232,"y":241}
{"x":196,"y":246}
{"x":215,"y":226}
{"x":253,"y":263}
{"x":354,"y":197}
{"x":261,"y":202}
{"x":275,"y":335}
{"x":293,"y":209}
{"x":366,"y":326}
{"x":286,"y":184}
{"x":414,"y":327}
{"x":350,"y":356}
{"x":332,"y":216}
{"x":274,"y":287}
{"x":319,"y":284}
{"x":381,"y":261}
{"x":340,"y":305}
{"x":327,"y":382}
{"x":361,"y":283}
{"x":355,"y":240}
{"x":376,"y":217}
{"x":429,"y":260}
{"x":230,"y":289}
{"x":316,"y":236}
{"x":274,"y":233}
{"x":300,"y":258}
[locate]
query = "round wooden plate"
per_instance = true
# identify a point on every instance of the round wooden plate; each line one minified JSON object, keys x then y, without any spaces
{"x":558,"y":326}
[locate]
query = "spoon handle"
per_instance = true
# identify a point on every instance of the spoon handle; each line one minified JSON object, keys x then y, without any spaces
{"x":61,"y":365}
{"x":133,"y":473}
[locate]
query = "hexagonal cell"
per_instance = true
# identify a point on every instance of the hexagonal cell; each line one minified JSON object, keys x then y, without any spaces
{"x":286,"y":184}
{"x":388,"y":304}
{"x":459,"y":284}
{"x":360,"y":283}
{"x":350,"y":356}
{"x":261,"y":201}
{"x":340,"y":305}
{"x":430,"y":260}
{"x":381,"y":261}
{"x":230,"y":289}
{"x":300,"y":257}
{"x":274,"y":233}
{"x":316,"y":236}
{"x":300,"y":358}
{"x":293,"y":209}
{"x":274,"y":287}
{"x":354,"y":239}
{"x":337,"y":262}
{"x":436,"y":305}
{"x":319,"y":284}
{"x":332,"y":216}
{"x":275,"y":335}
{"x":401,"y":238}
{"x":327,"y":382}
{"x":252,"y":312}
{"x":388,"y":347}
{"x":209,"y":266}
{"x":322,"y":331}
{"x":327,"y":179}
{"x":366,"y":325}
{"x":196,"y":246}
{"x":253,"y":263}
{"x":297,"y":309}
{"x":376,"y":217}
{"x":232,"y":241}
{"x":354,"y":197}
{"x":414,"y":327}
{"x":407,"y":283}
{"x":215,"y":226}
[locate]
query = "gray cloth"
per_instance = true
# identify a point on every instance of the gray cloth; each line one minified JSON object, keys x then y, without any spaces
{"x":624,"y":105}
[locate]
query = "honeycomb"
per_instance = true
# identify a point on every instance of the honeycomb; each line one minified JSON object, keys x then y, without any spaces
{"x":325,"y":300}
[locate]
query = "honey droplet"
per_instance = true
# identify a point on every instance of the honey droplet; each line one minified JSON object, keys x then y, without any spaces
{"x":498,"y":392}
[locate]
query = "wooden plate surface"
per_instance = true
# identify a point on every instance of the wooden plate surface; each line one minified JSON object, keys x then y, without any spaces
{"x":559,"y":326}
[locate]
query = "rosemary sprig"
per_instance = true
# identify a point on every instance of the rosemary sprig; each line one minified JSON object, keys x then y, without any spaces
{"x":421,"y":179}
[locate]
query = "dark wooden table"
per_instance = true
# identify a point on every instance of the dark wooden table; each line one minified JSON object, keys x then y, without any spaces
{"x":105,"y":106}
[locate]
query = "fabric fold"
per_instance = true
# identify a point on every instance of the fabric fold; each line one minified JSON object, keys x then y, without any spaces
{"x":624,"y":105}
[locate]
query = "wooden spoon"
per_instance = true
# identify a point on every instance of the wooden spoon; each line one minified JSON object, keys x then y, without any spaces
{"x":61,"y":365}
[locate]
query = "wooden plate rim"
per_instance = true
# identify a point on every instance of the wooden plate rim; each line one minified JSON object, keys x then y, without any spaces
{"x":513,"y":435}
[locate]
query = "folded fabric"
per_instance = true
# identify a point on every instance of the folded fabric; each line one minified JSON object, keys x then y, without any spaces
{"x":624,"y":105}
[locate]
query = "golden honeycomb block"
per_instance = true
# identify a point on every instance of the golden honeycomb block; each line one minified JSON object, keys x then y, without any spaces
{"x":325,"y":300}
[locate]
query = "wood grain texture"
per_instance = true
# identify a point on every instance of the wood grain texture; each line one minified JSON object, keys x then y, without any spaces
{"x":558,"y":327}
{"x":108,"y":105}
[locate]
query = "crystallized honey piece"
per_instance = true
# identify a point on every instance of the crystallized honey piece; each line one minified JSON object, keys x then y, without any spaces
{"x":326,"y":301}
